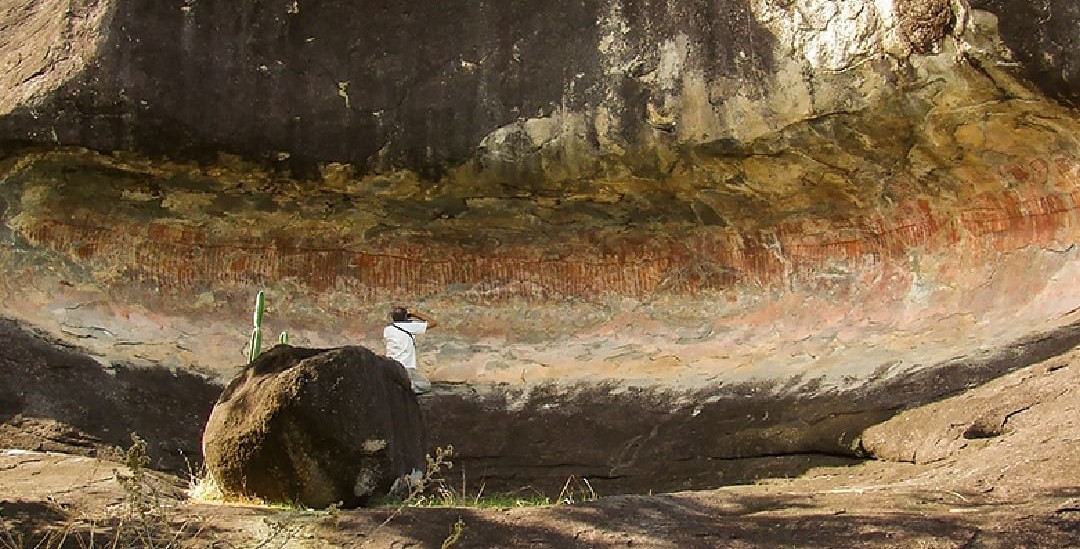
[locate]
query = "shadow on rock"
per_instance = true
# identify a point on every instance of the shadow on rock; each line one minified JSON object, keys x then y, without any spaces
{"x":54,"y":397}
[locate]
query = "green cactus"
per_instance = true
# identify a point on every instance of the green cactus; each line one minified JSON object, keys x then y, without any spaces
{"x":283,"y":339}
{"x":255,"y":344}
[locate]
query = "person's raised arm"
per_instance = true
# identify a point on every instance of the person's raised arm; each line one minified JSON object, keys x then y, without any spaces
{"x":431,"y":322}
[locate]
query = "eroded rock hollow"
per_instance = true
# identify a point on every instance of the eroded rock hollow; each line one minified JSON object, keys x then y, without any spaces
{"x":764,"y":200}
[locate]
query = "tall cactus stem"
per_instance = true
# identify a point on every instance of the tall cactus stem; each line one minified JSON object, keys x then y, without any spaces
{"x":255,"y":346}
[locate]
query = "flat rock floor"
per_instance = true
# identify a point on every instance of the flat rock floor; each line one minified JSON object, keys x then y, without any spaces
{"x":1013,"y":482}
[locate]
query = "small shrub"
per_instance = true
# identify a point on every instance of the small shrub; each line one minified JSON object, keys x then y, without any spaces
{"x":455,"y":534}
{"x":576,"y":490}
{"x":430,"y":488}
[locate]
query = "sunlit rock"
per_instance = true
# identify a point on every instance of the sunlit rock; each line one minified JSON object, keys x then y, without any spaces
{"x":314,"y":427}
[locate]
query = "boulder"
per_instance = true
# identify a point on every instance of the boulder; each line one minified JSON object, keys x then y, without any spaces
{"x":315,"y":427}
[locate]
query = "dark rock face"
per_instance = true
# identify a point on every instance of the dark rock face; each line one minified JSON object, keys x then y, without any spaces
{"x":638,"y":440}
{"x":641,"y":440}
{"x":315,"y":427}
{"x":383,"y":86}
{"x":57,"y":398}
{"x":1044,"y":39}
{"x":376,"y":84}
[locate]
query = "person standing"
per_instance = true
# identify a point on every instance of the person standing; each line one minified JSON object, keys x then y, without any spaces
{"x":400,"y":338}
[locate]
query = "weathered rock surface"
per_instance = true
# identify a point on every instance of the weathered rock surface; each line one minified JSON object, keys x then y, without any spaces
{"x":315,"y":427}
{"x":981,"y":418}
{"x":697,"y":193}
{"x":675,"y":196}
{"x":645,"y":439}
{"x":1044,"y":43}
{"x":546,"y":91}
{"x":1015,"y":490}
{"x":619,"y":439}
{"x":54,"y":397}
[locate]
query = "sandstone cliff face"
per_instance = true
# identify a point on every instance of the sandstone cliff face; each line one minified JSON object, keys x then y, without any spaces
{"x":684,"y":192}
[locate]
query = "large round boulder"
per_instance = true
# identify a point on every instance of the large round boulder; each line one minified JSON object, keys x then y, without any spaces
{"x":315,"y":427}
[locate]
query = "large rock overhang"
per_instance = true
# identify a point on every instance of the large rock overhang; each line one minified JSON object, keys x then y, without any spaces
{"x":684,"y":193}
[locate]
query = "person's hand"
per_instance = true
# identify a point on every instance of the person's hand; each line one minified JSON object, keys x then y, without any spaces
{"x":421,"y":316}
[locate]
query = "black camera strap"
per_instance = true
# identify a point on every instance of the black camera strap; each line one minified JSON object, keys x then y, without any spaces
{"x":408,"y":333}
